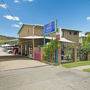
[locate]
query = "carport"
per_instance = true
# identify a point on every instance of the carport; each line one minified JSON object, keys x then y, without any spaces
{"x":31,"y":45}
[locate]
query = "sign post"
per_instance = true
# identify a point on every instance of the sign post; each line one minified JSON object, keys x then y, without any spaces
{"x":56,"y":49}
{"x":49,"y":28}
{"x":44,"y":40}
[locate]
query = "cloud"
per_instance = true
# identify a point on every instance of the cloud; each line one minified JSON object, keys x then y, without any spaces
{"x":16,"y":1}
{"x":16,"y":25}
{"x":20,"y":23}
{"x":88,"y":18}
{"x":29,"y":0}
{"x":3,"y":6}
{"x":11,"y":18}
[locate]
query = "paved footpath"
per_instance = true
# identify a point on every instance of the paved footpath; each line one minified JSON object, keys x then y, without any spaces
{"x":82,"y":67}
{"x":44,"y":78}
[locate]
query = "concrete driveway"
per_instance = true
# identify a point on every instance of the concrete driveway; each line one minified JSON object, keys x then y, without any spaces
{"x":8,"y":62}
{"x":44,"y":78}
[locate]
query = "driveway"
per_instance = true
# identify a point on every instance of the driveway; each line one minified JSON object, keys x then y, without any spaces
{"x":9,"y":62}
{"x":44,"y":78}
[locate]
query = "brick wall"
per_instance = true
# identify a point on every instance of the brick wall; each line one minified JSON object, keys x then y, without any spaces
{"x":70,"y":35}
{"x":26,"y":31}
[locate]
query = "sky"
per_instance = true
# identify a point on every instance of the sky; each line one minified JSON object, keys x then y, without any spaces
{"x":70,"y":14}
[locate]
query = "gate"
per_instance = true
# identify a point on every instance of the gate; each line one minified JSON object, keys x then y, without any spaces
{"x":37,"y":56}
{"x":37,"y":53}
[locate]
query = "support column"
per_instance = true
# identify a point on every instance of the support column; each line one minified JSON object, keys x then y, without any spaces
{"x":25,"y":49}
{"x":33,"y":48}
{"x":21,"y":50}
{"x":29,"y":51}
{"x":33,"y":40}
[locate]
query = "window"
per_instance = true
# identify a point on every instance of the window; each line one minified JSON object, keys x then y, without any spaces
{"x":70,"y":33}
{"x":75,"y":33}
{"x":62,"y":34}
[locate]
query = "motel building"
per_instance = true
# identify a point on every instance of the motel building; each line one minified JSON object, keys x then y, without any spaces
{"x":31,"y":41}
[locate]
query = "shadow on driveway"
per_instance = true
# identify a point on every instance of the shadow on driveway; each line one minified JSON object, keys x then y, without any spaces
{"x":13,"y":62}
{"x":11,"y":58}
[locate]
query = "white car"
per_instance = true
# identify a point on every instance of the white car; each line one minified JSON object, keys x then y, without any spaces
{"x":10,"y":51}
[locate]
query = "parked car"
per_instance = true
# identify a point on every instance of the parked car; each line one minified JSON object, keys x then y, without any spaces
{"x":10,"y":51}
{"x":15,"y":51}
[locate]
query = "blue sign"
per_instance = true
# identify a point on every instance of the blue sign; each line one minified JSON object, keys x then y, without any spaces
{"x":50,"y":28}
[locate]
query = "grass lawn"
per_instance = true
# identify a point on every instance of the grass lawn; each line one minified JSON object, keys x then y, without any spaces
{"x":76,"y":64}
{"x":86,"y":70}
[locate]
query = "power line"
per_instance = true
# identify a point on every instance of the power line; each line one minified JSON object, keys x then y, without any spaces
{"x":8,"y":9}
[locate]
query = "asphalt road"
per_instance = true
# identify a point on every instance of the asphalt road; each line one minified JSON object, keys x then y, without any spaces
{"x":44,"y":78}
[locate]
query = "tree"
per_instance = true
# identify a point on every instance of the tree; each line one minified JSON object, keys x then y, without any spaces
{"x":86,"y":45}
{"x":51,"y":48}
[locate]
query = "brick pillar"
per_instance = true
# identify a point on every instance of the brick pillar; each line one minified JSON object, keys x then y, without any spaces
{"x":59,"y":57}
{"x":42,"y":52}
{"x":88,"y":56}
{"x":75,"y":55}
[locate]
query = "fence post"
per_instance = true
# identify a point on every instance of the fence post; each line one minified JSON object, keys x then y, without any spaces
{"x":59,"y":57}
{"x":42,"y":52}
{"x":88,"y":56}
{"x":75,"y":55}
